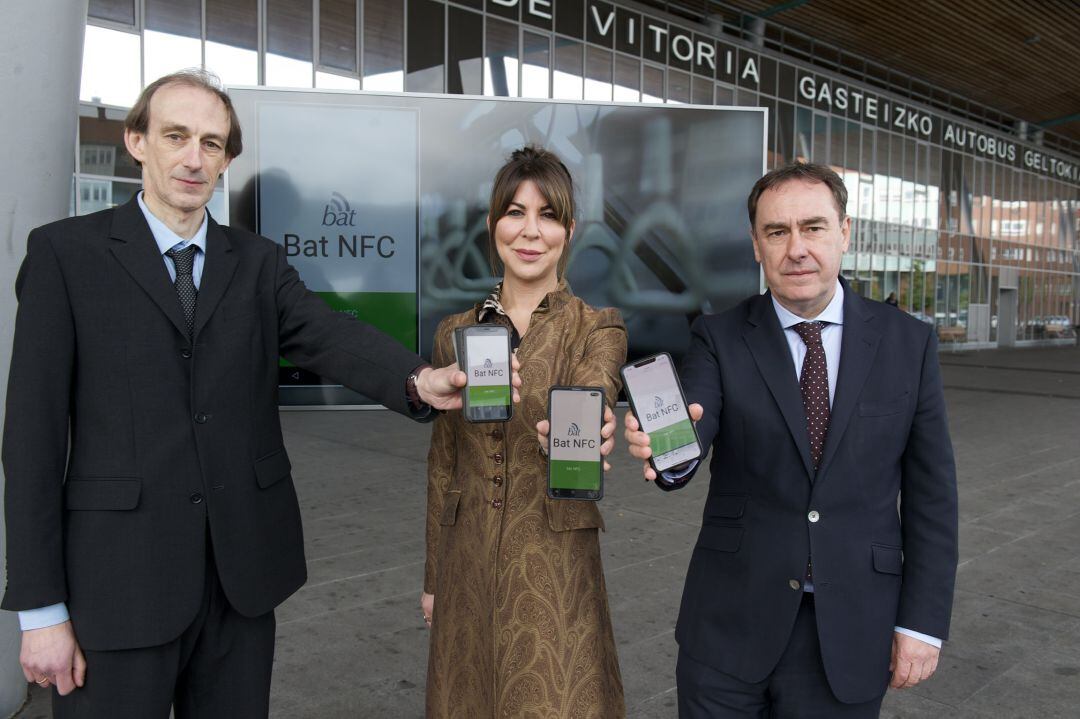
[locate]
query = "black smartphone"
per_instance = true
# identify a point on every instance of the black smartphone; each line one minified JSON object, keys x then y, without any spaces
{"x":483,"y":353}
{"x":658,"y":402}
{"x":575,"y":467}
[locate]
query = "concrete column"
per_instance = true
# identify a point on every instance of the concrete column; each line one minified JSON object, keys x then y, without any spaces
{"x":40,"y":70}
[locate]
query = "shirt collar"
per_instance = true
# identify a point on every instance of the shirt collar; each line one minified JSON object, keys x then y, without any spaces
{"x":833,"y":312}
{"x":493,"y":302}
{"x":165,"y":238}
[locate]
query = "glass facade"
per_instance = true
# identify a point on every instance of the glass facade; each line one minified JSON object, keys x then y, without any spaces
{"x":965,"y":224}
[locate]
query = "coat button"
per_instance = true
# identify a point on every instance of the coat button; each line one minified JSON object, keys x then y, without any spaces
{"x":497,"y":435}
{"x":496,"y":503}
{"x":497,"y":480}
{"x":202,"y":418}
{"x":813,"y":516}
{"x":498,"y":458}
{"x":794,"y":584}
{"x":196,"y":498}
{"x":185,"y":353}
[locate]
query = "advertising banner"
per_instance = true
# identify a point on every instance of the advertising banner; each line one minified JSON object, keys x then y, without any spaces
{"x":381,"y":200}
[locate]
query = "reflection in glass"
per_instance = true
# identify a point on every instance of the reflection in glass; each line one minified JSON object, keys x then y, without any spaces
{"x":101,"y":144}
{"x":702,"y":91}
{"x":627,"y":79}
{"x":465,"y":56}
{"x":110,"y":68}
{"x":567,"y":81}
{"x":652,"y":83}
{"x":219,"y":205}
{"x":536,"y":65}
{"x":232,"y":36}
{"x":176,"y":17}
{"x":384,"y":45}
{"x":337,"y":34}
{"x":97,"y":194}
{"x":678,"y":86}
{"x":330,"y":81}
{"x":233,"y":65}
{"x":501,"y":63}
{"x":424,"y":61}
{"x":597,"y":74}
{"x":284,"y":71}
{"x":165,"y":53}
{"x":121,"y":11}
{"x":288,"y":44}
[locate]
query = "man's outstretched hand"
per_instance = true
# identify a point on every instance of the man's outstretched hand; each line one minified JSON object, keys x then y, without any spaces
{"x":441,"y":388}
{"x":637,"y":441}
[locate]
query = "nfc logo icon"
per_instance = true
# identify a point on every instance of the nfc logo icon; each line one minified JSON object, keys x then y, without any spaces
{"x":338,"y":213}
{"x":487,"y":364}
{"x":658,"y":402}
{"x":574,"y":430}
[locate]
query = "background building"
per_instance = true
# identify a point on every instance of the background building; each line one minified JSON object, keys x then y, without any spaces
{"x":958,"y":208}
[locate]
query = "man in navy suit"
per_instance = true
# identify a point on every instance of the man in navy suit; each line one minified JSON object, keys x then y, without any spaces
{"x":825,"y":565}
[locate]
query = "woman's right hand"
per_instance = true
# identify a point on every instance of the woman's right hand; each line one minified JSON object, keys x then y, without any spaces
{"x":427,"y":606}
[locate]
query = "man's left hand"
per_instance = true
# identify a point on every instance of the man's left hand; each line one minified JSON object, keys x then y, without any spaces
{"x":441,"y":388}
{"x":913,"y":661}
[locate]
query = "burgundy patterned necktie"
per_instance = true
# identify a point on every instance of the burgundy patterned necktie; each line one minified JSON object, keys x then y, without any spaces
{"x":814,"y":383}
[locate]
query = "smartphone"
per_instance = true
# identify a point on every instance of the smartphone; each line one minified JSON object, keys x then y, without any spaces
{"x":483,"y":353}
{"x":575,"y":467}
{"x":658,"y":402}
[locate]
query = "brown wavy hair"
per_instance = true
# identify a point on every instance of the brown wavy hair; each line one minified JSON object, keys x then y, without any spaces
{"x":138,"y":119}
{"x":554,"y":182}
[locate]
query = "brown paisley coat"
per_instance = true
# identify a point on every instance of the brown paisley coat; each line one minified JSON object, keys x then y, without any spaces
{"x":521,"y":626}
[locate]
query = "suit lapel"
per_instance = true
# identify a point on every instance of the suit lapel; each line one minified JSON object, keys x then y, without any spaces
{"x":218,"y":271}
{"x":857,"y":351}
{"x":134,"y":247}
{"x":765,"y":338}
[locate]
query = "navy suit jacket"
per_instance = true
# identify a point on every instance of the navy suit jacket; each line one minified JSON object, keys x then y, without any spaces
{"x":172,"y":441}
{"x":877,"y":562}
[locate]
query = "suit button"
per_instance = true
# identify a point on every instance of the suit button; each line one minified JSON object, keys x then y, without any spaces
{"x":202,"y":418}
{"x":794,"y":584}
{"x":498,"y":458}
{"x":496,"y":435}
{"x":185,"y":353}
{"x":498,"y":480}
{"x":813,"y":516}
{"x":496,"y":503}
{"x":196,"y":498}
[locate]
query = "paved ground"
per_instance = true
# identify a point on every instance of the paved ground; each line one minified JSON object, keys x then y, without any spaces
{"x":351,"y":643}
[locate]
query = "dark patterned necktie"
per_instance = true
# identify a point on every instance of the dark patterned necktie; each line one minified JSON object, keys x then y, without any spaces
{"x":185,"y":283}
{"x":814,"y":383}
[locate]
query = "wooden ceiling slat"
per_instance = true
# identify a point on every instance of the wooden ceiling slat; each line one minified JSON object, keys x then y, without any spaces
{"x":978,"y":50}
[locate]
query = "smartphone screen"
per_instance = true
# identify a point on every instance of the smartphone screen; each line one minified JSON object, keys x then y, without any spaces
{"x":575,"y":467}
{"x":487,"y":360}
{"x":660,"y":407}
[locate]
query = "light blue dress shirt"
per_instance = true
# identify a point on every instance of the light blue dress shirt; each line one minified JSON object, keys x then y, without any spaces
{"x":166,"y":240}
{"x":832,"y":335}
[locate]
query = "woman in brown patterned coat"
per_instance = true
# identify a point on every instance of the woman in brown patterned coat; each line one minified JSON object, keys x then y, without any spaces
{"x":513,"y":583}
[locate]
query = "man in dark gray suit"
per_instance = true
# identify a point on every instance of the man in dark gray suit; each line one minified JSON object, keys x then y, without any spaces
{"x":146,"y":553}
{"x":809,"y":588}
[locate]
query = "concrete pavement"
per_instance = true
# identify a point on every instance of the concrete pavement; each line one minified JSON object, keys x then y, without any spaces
{"x":352,"y":642}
